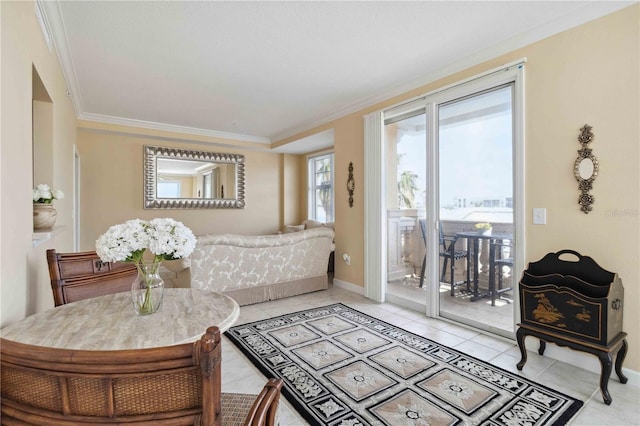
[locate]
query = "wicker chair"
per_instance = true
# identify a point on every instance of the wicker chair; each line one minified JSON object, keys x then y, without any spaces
{"x":173,"y":385}
{"x":78,"y":276}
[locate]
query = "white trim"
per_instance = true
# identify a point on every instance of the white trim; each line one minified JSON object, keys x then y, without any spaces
{"x":414,"y":103}
{"x":432,"y":267}
{"x":348,"y":286}
{"x":75,"y":214}
{"x":576,"y":18}
{"x":583,"y":360}
{"x":44,"y":24}
{"x":375,"y":238}
{"x":40,"y":237}
{"x":171,"y":128}
{"x":519,"y":185}
{"x":53,"y":16}
{"x":311,"y":185}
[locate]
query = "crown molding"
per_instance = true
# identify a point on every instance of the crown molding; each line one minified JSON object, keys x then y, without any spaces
{"x":589,"y":12}
{"x":53,"y":16}
{"x":171,"y":128}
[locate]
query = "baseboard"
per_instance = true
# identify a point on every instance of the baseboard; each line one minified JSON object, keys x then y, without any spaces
{"x":348,"y":286}
{"x":580,"y":359}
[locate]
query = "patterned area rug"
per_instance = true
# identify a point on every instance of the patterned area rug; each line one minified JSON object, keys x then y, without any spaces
{"x":343,"y":367}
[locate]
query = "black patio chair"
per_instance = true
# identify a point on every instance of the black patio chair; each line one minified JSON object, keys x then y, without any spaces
{"x":448,"y":252}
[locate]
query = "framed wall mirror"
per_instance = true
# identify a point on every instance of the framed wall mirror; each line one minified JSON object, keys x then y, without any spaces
{"x":187,"y":179}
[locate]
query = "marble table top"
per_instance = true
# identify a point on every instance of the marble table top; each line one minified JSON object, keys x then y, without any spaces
{"x":110,"y":323}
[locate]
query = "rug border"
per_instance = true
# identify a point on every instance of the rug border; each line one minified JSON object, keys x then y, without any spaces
{"x":575,"y":406}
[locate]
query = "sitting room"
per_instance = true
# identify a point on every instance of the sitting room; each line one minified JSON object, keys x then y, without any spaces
{"x":277,"y":134}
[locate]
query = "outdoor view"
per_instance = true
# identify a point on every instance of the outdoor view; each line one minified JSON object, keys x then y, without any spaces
{"x":475,"y":186}
{"x":321,"y":194}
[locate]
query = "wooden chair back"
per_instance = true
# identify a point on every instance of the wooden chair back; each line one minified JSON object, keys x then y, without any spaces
{"x":78,"y":276}
{"x":264,"y":409}
{"x":172,"y":385}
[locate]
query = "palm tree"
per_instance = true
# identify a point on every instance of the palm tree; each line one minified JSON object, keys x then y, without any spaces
{"x":407,"y":188}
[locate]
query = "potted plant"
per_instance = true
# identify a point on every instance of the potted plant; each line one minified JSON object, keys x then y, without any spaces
{"x":483,"y":228}
{"x":44,"y":215}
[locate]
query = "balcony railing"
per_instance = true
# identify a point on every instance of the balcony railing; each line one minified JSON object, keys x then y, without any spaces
{"x":406,"y":247}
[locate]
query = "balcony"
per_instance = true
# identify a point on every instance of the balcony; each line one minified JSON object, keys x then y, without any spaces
{"x":406,"y":249}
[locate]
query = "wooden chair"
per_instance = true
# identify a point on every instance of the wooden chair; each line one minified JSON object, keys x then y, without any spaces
{"x":172,"y":385}
{"x":78,"y":276}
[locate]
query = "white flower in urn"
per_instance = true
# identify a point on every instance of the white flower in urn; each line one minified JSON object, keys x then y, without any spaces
{"x":43,"y":194}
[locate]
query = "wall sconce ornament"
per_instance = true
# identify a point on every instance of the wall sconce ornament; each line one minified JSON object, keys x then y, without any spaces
{"x":585,"y":169}
{"x":351,"y":184}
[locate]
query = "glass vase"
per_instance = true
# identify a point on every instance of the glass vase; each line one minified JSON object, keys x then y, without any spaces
{"x":147,"y":290}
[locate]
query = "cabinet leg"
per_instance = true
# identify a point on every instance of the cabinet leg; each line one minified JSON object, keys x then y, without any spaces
{"x":619,"y":360}
{"x":520,"y":335}
{"x":542,"y":347}
{"x":605,"y":361}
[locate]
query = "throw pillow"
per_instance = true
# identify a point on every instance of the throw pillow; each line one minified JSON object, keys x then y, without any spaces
{"x":310,"y":224}
{"x":293,"y":228}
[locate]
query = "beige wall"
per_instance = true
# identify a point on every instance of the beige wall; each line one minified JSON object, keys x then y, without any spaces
{"x":24,"y":277}
{"x":112,"y":195}
{"x":589,"y":74}
{"x":292,"y":185}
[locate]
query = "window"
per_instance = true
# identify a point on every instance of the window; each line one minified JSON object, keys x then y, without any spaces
{"x":206,"y":185}
{"x":321,"y":188}
{"x":169,"y":189}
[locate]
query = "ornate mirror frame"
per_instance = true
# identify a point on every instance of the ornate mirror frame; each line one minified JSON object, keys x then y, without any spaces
{"x":585,"y":169}
{"x":151,"y":200}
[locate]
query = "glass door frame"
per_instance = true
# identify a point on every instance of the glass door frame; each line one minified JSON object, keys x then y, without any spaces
{"x":375,"y":175}
{"x":515,"y":75}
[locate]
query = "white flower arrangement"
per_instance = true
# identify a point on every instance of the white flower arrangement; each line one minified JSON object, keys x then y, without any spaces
{"x":43,"y":194}
{"x":165,"y":238}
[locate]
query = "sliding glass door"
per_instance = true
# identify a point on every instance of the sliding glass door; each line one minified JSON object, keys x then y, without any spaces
{"x":405,"y":147}
{"x":452,"y":201}
{"x":475,"y":139}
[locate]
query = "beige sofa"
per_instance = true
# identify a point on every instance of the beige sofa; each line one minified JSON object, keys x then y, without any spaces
{"x":254,"y":269}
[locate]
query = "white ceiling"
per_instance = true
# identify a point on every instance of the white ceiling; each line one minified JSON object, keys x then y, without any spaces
{"x":263,"y":71}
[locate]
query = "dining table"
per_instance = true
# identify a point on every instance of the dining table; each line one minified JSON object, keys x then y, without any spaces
{"x":110,"y":323}
{"x":473,"y":245}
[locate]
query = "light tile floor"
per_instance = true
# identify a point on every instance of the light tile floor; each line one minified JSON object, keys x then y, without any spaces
{"x":239,"y":375}
{"x":499,"y":316}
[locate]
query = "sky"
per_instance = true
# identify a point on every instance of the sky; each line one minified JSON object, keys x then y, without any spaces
{"x":475,"y":149}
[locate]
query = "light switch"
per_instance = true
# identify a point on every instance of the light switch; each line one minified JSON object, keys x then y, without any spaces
{"x":539,"y":216}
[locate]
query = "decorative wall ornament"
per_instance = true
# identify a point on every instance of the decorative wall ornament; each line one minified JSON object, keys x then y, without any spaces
{"x":351,"y":184}
{"x":585,"y":169}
